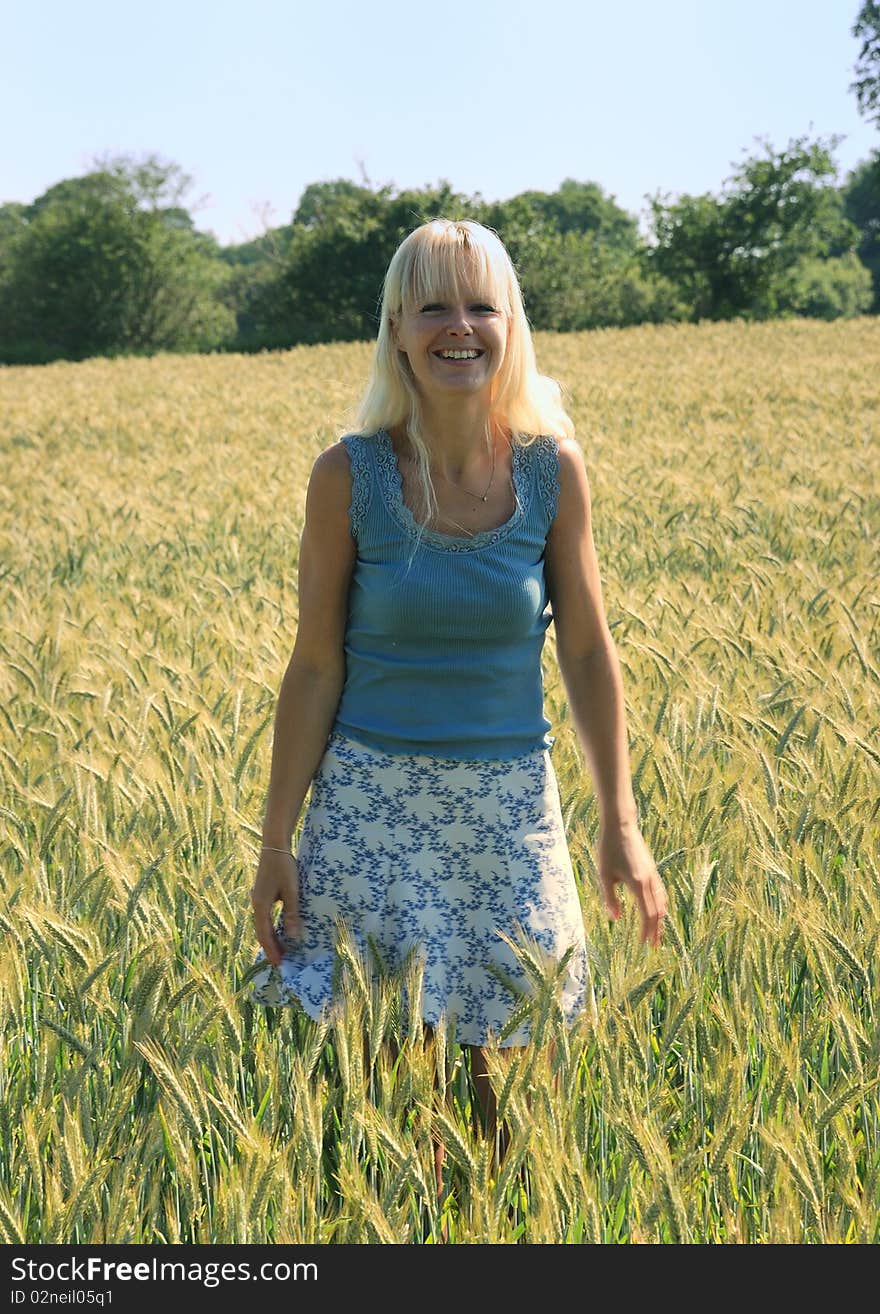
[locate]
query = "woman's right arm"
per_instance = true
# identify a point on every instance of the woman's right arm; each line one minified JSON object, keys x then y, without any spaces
{"x":311,"y":687}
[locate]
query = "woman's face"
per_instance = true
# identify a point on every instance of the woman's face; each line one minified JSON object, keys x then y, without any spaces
{"x":454,"y":345}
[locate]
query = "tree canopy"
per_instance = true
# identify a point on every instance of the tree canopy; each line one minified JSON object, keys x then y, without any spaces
{"x":109,"y":262}
{"x":112,"y":261}
{"x":738,"y":253}
{"x":867,"y":84}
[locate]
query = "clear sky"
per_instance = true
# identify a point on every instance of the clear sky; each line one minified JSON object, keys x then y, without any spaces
{"x":255,"y":100}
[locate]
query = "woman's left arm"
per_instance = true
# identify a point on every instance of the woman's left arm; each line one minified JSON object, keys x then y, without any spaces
{"x":590,"y":671}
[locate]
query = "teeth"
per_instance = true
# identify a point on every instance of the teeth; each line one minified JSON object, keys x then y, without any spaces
{"x":459,"y":355}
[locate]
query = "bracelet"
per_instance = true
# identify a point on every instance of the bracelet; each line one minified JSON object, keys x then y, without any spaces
{"x":273,"y":850}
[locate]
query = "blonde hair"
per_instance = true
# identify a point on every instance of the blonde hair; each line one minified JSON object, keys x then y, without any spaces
{"x":432,"y":263}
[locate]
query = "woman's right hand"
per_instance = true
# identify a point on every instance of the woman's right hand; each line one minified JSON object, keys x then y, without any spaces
{"x":277,"y":880}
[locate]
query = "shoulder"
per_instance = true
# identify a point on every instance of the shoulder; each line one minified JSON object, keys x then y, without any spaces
{"x":561,"y":473}
{"x":330,"y":480}
{"x":335,"y":460}
{"x":572,"y":467}
{"x":340,"y":486}
{"x":573,"y":501}
{"x":552,"y":449}
{"x":335,"y":465}
{"x":570,"y":454}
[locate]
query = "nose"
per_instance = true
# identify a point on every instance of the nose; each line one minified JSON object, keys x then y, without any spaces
{"x":459,"y":321}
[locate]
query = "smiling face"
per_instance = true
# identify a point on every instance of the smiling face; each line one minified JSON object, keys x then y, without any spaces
{"x":450,"y":305}
{"x":454,"y":343}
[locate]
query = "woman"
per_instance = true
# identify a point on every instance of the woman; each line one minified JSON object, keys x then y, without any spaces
{"x":435,"y":537}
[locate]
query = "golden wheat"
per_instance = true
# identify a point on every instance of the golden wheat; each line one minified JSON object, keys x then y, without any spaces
{"x":722,"y":1089}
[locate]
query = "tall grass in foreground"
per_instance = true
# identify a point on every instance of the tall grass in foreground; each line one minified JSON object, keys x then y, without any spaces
{"x":724,"y":1089}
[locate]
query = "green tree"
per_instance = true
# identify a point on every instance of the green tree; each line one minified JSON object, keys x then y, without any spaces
{"x":327,"y":285}
{"x":109,"y":263}
{"x":337,"y":257}
{"x":574,"y":280}
{"x":575,"y":207}
{"x":861,"y":204}
{"x":13,"y":219}
{"x":327,"y":202}
{"x":733,"y":255}
{"x":579,"y":257}
{"x":867,"y":84}
{"x":839,"y":287}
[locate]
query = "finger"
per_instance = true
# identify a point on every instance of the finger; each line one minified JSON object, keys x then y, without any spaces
{"x":661,"y":901}
{"x":650,"y":911}
{"x":266,"y":934}
{"x":655,"y":911}
{"x":609,"y":898}
{"x":290,"y":919}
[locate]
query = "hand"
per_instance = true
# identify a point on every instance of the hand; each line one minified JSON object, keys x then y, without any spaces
{"x":277,"y":880}
{"x":624,"y":859}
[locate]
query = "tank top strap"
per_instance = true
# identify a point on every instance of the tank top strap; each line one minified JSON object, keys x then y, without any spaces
{"x":545,"y":451}
{"x":360,"y":455}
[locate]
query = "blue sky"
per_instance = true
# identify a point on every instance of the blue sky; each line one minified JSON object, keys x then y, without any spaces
{"x":257,"y":100}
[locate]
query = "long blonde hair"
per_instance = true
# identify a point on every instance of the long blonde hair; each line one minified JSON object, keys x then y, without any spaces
{"x":431,"y":263}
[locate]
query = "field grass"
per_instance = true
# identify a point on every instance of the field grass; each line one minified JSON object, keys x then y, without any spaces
{"x":722,"y":1089}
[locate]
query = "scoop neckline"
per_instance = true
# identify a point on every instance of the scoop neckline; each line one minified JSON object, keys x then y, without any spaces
{"x":450,"y":542}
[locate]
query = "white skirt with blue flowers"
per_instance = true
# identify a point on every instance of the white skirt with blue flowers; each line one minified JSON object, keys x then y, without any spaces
{"x":445,"y":857}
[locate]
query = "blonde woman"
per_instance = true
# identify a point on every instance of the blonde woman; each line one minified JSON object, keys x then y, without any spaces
{"x":440,"y":540}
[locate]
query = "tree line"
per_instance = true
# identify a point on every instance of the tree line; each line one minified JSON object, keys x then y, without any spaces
{"x":112,"y":263}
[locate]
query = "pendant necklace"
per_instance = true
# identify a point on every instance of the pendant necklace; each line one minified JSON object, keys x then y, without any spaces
{"x":481,"y":497}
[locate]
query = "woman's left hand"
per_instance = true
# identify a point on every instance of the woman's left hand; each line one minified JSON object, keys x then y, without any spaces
{"x":624,"y":859}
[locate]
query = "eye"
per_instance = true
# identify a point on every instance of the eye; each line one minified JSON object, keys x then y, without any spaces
{"x":484,"y":307}
{"x":432,"y":305}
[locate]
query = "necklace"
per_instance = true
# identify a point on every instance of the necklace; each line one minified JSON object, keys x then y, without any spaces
{"x":481,"y":497}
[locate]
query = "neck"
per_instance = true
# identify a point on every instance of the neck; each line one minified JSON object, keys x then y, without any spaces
{"x":456,"y":432}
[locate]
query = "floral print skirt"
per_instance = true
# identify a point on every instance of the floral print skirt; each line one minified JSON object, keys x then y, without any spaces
{"x":445,"y":857}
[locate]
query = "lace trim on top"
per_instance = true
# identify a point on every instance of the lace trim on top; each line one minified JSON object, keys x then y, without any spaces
{"x":392,"y":484}
{"x":548,"y":474}
{"x":360,"y":481}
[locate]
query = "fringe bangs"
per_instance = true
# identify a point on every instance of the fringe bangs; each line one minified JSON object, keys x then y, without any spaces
{"x":449,"y":259}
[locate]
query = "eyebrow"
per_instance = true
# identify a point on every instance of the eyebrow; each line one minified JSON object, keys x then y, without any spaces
{"x":434,"y":297}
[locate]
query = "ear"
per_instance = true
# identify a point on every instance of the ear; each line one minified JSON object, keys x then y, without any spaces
{"x":393,"y":323}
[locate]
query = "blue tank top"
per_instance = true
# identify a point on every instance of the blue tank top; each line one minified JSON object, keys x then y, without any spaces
{"x":443,"y":647}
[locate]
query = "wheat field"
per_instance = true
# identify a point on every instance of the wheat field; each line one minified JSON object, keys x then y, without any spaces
{"x":722,"y":1089}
